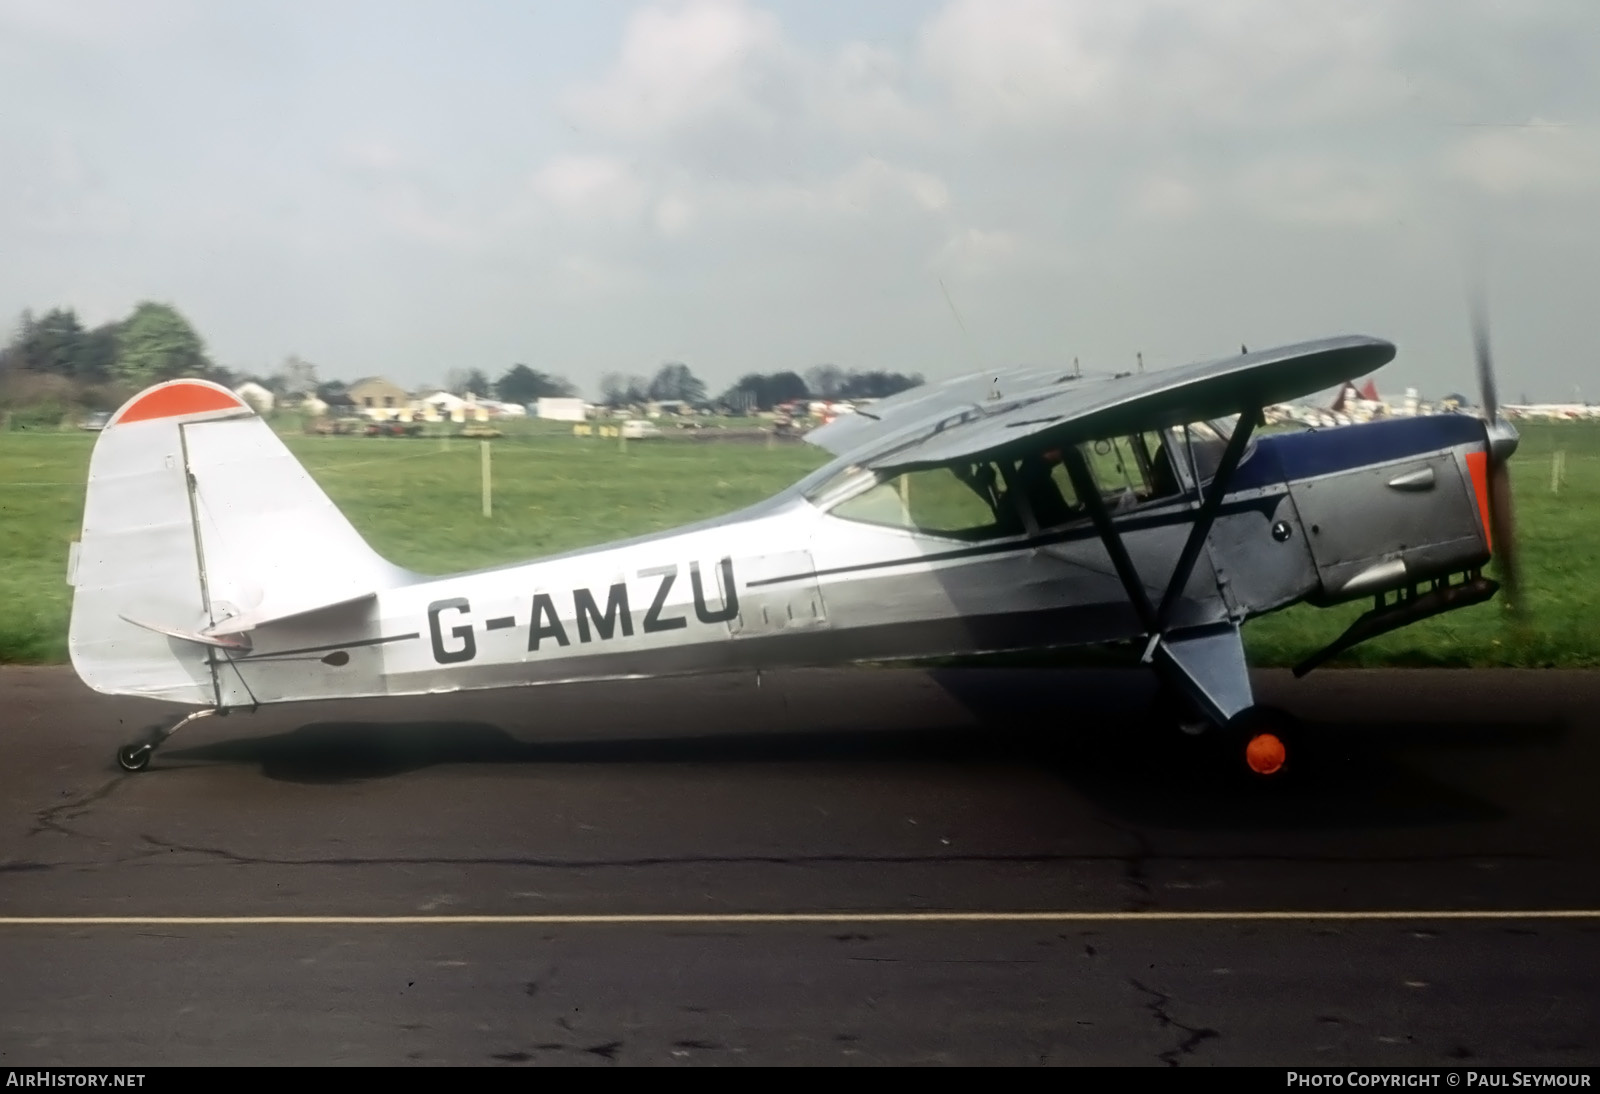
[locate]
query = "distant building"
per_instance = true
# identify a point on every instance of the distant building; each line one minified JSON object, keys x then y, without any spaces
{"x":561,"y":410}
{"x":441,"y":406}
{"x":259,"y":398}
{"x":375,"y":397}
{"x":338,"y":403}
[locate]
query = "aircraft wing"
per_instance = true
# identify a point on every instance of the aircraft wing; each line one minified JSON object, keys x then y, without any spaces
{"x":929,"y":403}
{"x":989,"y":413}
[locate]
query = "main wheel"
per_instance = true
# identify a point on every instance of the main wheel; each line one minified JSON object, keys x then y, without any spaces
{"x":134,"y":757}
{"x":1262,"y":744}
{"x":1171,"y":710}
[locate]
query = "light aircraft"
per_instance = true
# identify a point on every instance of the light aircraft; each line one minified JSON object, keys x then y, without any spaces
{"x":1553,"y":411}
{"x":1014,"y":510}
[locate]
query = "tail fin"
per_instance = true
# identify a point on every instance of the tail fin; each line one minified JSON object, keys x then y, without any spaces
{"x":199,"y":525}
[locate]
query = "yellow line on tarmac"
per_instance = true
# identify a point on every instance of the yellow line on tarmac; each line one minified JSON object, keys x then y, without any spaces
{"x":779,"y":918}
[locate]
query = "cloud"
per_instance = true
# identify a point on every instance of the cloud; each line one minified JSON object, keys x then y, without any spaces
{"x":590,"y":186}
{"x":1093,"y":66}
{"x":607,"y":192}
{"x":394,"y":190}
{"x":1316,"y":190}
{"x":1027,"y":62}
{"x":1165,"y":197}
{"x":100,"y":24}
{"x":674,"y":214}
{"x":975,"y":252}
{"x":746,"y":187}
{"x":871,"y":195}
{"x":409,"y":212}
{"x":713,"y":87}
{"x":861,"y":92}
{"x":63,"y":193}
{"x":1536,"y":158}
{"x":683,"y":66}
{"x":374,"y":157}
{"x":582,"y":275}
{"x":873,"y":184}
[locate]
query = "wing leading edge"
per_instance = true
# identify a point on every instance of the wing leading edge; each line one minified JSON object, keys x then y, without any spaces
{"x":979,"y":415}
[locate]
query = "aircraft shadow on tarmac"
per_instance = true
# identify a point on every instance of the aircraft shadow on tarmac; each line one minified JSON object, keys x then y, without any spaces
{"x":356,"y":751}
{"x":1102,"y":744}
{"x":1101,"y":735}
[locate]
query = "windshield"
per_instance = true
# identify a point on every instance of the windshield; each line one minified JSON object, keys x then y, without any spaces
{"x":1207,"y":441}
{"x":1217,"y":429}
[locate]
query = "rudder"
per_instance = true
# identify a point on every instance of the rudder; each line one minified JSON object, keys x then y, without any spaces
{"x":199,"y":525}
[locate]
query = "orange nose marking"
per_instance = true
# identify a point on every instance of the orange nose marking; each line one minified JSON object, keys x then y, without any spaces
{"x":1265,"y":754}
{"x":179,"y":397}
{"x":1478,"y":468}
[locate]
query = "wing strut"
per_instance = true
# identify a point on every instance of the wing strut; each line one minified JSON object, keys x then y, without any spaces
{"x":1211,"y":502}
{"x":1207,"y":664}
{"x":1089,"y":493}
{"x":1157,"y":620}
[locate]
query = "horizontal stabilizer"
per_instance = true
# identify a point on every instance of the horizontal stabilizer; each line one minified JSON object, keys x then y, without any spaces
{"x":251,"y":620}
{"x":226,"y":642}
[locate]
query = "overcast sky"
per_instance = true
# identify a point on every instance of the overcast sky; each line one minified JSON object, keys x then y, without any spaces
{"x":411,"y":188}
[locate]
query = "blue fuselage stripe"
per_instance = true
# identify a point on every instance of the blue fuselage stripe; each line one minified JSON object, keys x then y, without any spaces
{"x":1287,"y":457}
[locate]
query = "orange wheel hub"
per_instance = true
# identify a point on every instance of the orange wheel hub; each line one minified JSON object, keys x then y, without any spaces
{"x":1265,"y":754}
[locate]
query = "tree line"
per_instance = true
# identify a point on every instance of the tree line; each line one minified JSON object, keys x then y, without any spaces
{"x":154,"y":343}
{"x":755,"y":390}
{"x":52,"y":361}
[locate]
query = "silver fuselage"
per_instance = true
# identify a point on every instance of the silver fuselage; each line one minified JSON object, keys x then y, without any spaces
{"x":1324,"y":516}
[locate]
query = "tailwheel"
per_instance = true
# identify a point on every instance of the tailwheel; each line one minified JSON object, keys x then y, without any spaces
{"x":1262,"y":744}
{"x":135,"y":757}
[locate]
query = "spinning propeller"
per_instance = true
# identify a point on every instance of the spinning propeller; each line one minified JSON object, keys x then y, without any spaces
{"x":1502,"y":442}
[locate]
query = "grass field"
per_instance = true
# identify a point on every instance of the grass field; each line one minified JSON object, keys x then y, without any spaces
{"x":417,"y":501}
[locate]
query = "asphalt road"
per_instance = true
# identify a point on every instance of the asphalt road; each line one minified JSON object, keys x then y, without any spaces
{"x":833,"y":794}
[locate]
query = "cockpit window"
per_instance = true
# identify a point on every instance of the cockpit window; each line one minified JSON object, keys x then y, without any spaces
{"x":1132,"y":469}
{"x":992,"y":499}
{"x":964,"y":501}
{"x":1042,"y":478}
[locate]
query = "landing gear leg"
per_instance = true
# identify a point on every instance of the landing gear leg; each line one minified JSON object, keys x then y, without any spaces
{"x":136,"y":756}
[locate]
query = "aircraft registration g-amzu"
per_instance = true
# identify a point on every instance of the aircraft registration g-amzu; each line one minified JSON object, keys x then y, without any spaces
{"x":1024,"y":509}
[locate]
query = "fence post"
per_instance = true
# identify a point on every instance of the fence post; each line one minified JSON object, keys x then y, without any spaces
{"x":488,"y":505}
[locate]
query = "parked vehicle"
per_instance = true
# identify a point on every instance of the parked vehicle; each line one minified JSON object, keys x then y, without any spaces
{"x":328,"y":427}
{"x":394,"y":429}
